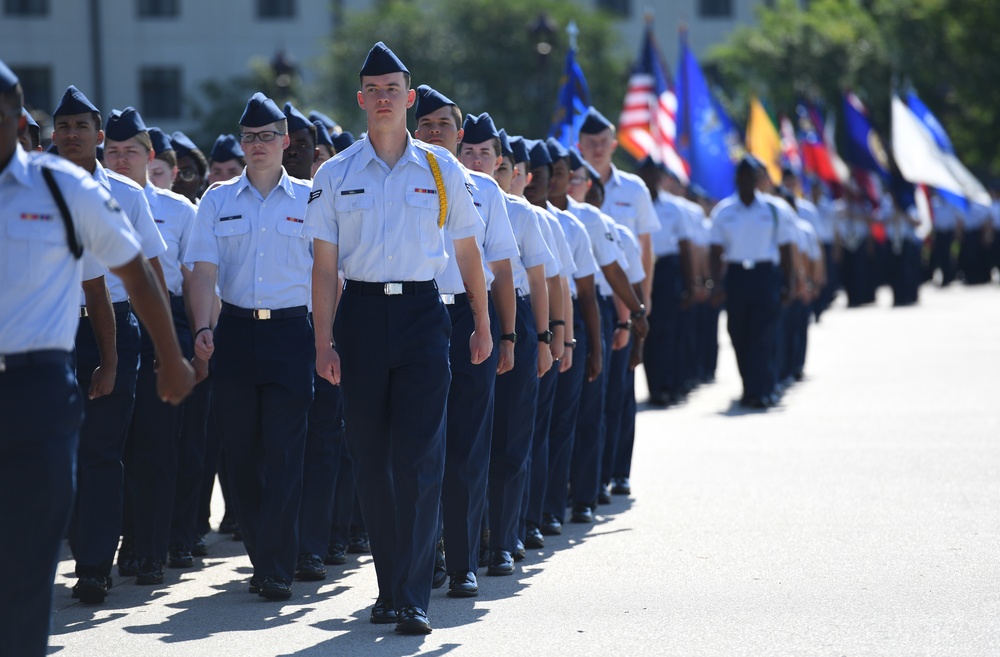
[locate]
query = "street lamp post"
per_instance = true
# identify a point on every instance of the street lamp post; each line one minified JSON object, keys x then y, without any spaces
{"x":542,"y":32}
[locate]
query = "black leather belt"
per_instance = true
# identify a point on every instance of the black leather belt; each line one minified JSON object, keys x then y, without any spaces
{"x":119,"y":307}
{"x":40,"y":357}
{"x":752,"y":264}
{"x":264,"y":313}
{"x":390,"y":289}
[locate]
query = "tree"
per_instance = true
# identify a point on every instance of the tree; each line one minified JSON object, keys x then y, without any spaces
{"x":482,"y":54}
{"x":945,"y":48}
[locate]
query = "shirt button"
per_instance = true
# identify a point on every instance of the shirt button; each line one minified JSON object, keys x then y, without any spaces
{"x":263,"y":230}
{"x":261,"y":253}
{"x":390,"y":204}
{"x":260,"y":278}
{"x":390,"y":257}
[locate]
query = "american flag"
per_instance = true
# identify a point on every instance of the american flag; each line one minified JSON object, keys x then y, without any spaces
{"x":648,"y":122}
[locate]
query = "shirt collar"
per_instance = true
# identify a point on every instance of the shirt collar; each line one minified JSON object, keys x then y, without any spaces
{"x":284,"y":183}
{"x":101,"y":176}
{"x":17,"y":168}
{"x":615,"y":178}
{"x":412,"y":153}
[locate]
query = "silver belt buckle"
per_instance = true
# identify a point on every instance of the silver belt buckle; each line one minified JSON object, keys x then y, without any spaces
{"x":262,"y":313}
{"x":448,"y":299}
{"x":393,"y":289}
{"x":749,"y":264}
{"x":83,"y":312}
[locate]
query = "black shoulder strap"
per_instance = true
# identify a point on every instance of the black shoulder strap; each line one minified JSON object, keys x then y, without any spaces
{"x":74,"y":243}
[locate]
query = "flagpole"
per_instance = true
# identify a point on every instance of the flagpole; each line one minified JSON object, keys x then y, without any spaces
{"x":573,"y":31}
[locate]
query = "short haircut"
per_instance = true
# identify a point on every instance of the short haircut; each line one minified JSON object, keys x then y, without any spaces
{"x":496,"y":146}
{"x":170,"y":157}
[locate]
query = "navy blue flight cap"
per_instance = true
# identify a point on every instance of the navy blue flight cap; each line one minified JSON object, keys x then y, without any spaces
{"x":227,"y":148}
{"x":538,"y":153}
{"x":329,"y":123}
{"x":382,"y":61}
{"x":505,"y":148}
{"x":260,"y":111}
{"x":74,"y":102}
{"x":748,"y":162}
{"x":123,"y":124}
{"x":182,"y":144}
{"x":28,"y":117}
{"x":429,"y":100}
{"x":296,"y":120}
{"x":322,"y":134}
{"x":556,"y":150}
{"x":595,"y":123}
{"x":7,"y":78}
{"x":479,"y":129}
{"x":519,"y":148}
{"x":576,"y":161}
{"x":161,"y":142}
{"x":343,"y":141}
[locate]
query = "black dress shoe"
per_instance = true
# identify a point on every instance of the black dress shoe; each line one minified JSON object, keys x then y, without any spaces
{"x":582,"y":513}
{"x":440,"y":573}
{"x":336,"y":554}
{"x":310,"y":568}
{"x":200,"y":548}
{"x":150,"y":572}
{"x":91,"y":589}
{"x":620,"y":486}
{"x":604,"y":494}
{"x":533,"y":539}
{"x":551,"y":526}
{"x":237,"y":534}
{"x":412,"y":620}
{"x":383,"y":613}
{"x":128,"y":561}
{"x":358,"y":543}
{"x":254,"y":587}
{"x":463,"y":585}
{"x":180,"y":557}
{"x":228,"y":525}
{"x":501,"y":563}
{"x":275,"y":588}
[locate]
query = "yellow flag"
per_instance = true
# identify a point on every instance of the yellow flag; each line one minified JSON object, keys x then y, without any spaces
{"x":763,"y":141}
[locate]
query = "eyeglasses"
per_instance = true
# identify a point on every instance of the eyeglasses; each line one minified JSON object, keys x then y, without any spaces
{"x":265,"y":136}
{"x":577,"y":180}
{"x":187,"y":175}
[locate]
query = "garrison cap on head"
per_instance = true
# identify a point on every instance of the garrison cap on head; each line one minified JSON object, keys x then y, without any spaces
{"x":748,"y":163}
{"x":29,"y":118}
{"x":260,"y":111}
{"x":429,"y":100}
{"x":382,"y":61}
{"x":322,"y":134}
{"x":74,"y":102}
{"x":296,"y":120}
{"x":161,"y":142}
{"x":329,"y":123}
{"x":226,"y":148}
{"x":519,"y":148}
{"x":343,"y":141}
{"x":123,"y":124}
{"x":698,"y":192}
{"x":7,"y":78}
{"x":538,"y":153}
{"x":556,"y":150}
{"x":479,"y":129}
{"x":595,"y":123}
{"x":505,"y":148}
{"x":182,"y":144}
{"x":576,"y":161}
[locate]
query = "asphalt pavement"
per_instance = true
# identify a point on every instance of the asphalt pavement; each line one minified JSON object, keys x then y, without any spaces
{"x":860,"y":517}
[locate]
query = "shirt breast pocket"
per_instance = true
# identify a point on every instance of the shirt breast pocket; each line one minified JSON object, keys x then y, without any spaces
{"x":293,"y":249}
{"x":424,"y":210}
{"x":234,"y":238}
{"x":355,"y":219}
{"x":31,"y":241}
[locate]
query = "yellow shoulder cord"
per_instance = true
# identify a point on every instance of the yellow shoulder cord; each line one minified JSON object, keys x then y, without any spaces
{"x":439,"y":182}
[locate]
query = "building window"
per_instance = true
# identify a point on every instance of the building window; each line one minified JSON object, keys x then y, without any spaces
{"x":159,"y":8}
{"x":26,"y":7}
{"x":161,"y":92}
{"x":616,"y":7}
{"x":275,"y":8}
{"x":715,"y":8}
{"x":37,"y":84}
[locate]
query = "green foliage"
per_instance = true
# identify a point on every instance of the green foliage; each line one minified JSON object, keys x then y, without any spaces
{"x":480,"y":53}
{"x":946,"y":48}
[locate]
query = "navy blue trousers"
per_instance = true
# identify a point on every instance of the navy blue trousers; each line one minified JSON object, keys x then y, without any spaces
{"x":585,"y":470}
{"x":661,"y":349}
{"x":42,"y":410}
{"x":513,"y":425}
{"x":184,"y":528}
{"x":562,"y":430}
{"x":905,"y":273}
{"x":615,"y":408}
{"x":262,"y":393}
{"x":829,"y":290}
{"x":468,"y":438}
{"x":156,"y":447}
{"x":97,"y":518}
{"x":344,"y":497}
{"x":324,"y":443}
{"x":626,"y":438}
{"x":941,"y":256}
{"x":753,"y":307}
{"x":857,"y":272}
{"x":533,"y":502}
{"x":395,"y":379}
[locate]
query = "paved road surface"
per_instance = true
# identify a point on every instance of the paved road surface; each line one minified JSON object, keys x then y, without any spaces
{"x":861,"y":517}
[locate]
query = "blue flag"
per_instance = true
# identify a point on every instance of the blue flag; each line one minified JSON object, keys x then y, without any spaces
{"x":572,"y":103}
{"x":923,"y":113}
{"x":864,"y":147}
{"x":707,"y":139}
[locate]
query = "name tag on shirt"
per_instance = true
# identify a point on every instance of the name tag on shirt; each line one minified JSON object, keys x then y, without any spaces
{"x":231,"y":217}
{"x":351,"y":192}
